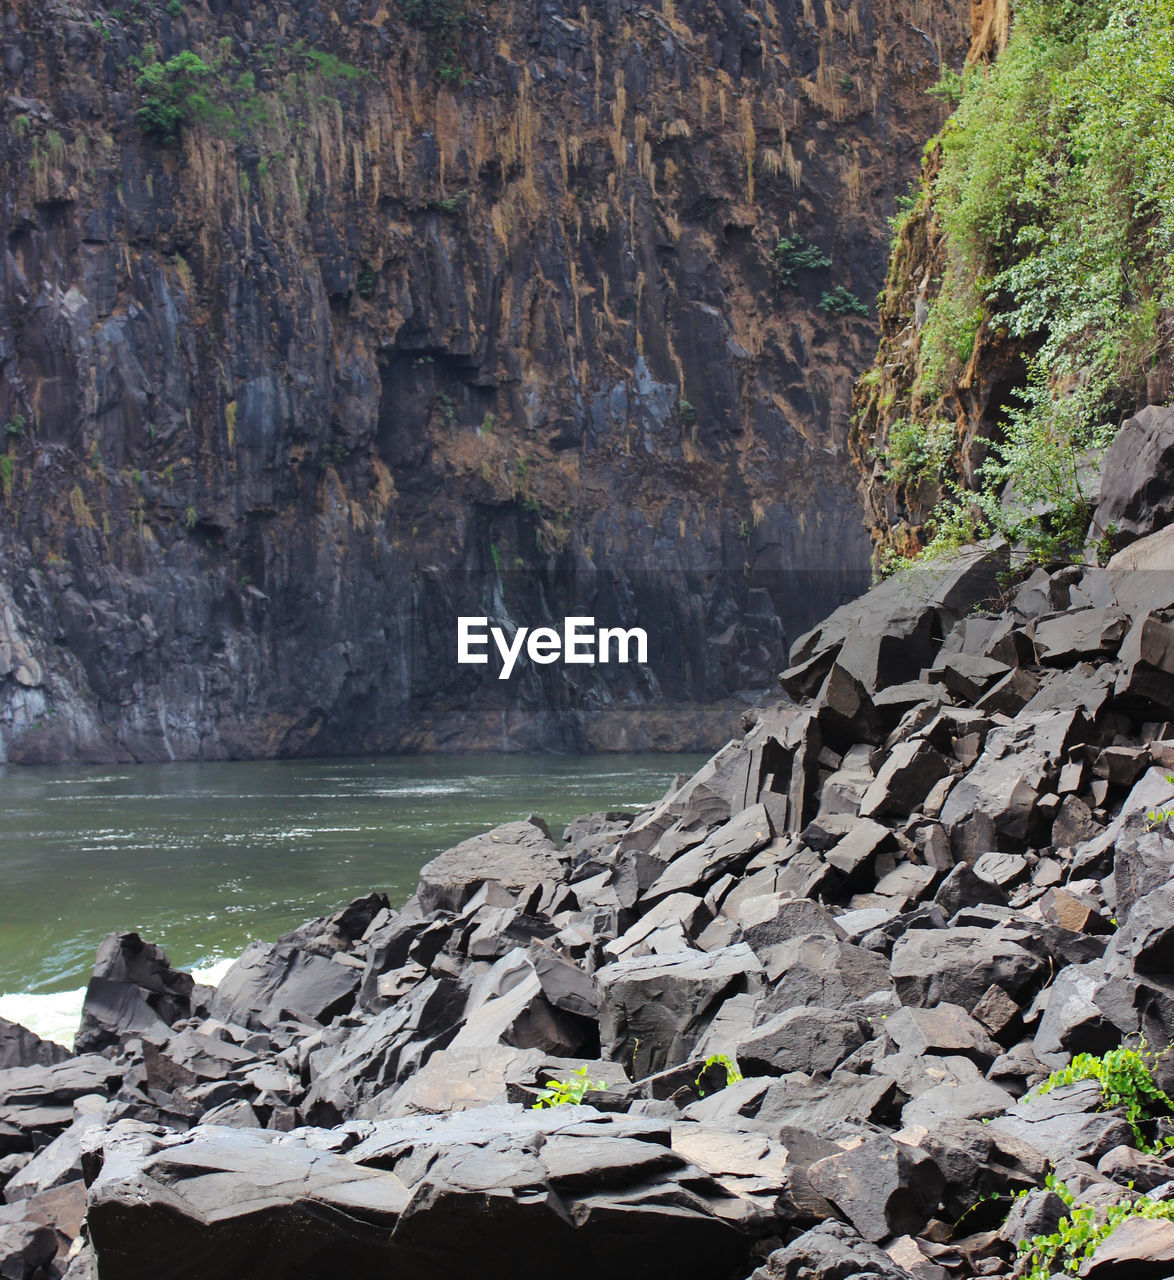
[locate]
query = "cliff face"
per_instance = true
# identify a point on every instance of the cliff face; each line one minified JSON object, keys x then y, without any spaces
{"x":412,"y":321}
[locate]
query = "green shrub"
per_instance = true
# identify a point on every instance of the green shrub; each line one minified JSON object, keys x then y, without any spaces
{"x":842,"y":302}
{"x":1126,"y":1081}
{"x":16,"y":425}
{"x":793,"y":254}
{"x":733,"y":1075}
{"x":368,"y":279}
{"x":1056,"y":196}
{"x":915,"y":450}
{"x":569,"y":1093}
{"x":174,"y":94}
{"x":1078,"y":1235}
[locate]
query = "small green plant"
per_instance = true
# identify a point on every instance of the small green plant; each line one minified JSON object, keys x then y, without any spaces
{"x":915,"y":450}
{"x":190,"y":517}
{"x":842,"y":302}
{"x":733,"y":1075}
{"x":1158,"y":817}
{"x":6,"y":469}
{"x":1126,"y":1081}
{"x":455,"y":203}
{"x":568,"y":1093}
{"x":175,"y":8}
{"x":1078,"y":1235}
{"x":175,"y":94}
{"x":688,"y":413}
{"x":495,"y":556}
{"x":368,"y":279}
{"x":16,"y":425}
{"x":488,"y":423}
{"x":446,"y":406}
{"x":793,"y":254}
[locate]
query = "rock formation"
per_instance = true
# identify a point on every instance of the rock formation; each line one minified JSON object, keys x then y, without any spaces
{"x":790,"y":1020}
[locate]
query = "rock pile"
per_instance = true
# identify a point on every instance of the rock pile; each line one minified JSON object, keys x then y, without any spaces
{"x":798,"y":1007}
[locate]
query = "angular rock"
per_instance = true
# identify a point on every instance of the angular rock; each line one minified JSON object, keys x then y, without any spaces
{"x":830,"y":1251}
{"x":514,"y":856}
{"x":882,"y":1187}
{"x":134,"y":990}
{"x":654,"y":1009}
{"x":1066,"y":1122}
{"x":1137,"y":477}
{"x":904,"y":780}
{"x":1139,"y":1249}
{"x":727,"y":848}
{"x":825,"y":972}
{"x":811,"y":1040}
{"x":944,"y":1029}
{"x":20,"y":1047}
{"x":271,"y":982}
{"x":957,"y":965}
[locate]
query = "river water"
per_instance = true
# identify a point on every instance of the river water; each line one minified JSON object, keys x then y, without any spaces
{"x":204,"y":858}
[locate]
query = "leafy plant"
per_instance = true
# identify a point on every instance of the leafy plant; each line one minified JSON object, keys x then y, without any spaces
{"x":915,"y":450}
{"x":568,"y":1093}
{"x":190,"y":517}
{"x":368,"y":279}
{"x":733,"y":1075}
{"x":175,"y":94}
{"x":793,"y":254}
{"x":1078,"y":1235}
{"x":1156,"y":817}
{"x":6,"y":469}
{"x":842,"y":302}
{"x":1126,"y":1081}
{"x":16,"y":425}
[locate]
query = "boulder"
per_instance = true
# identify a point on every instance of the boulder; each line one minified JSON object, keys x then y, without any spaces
{"x":1067,"y":1121}
{"x":830,"y":1251}
{"x":26,"y":1250}
{"x":812,"y":1040}
{"x":654,"y":1009}
{"x":727,"y":848}
{"x":904,"y":780}
{"x":272,"y":982}
{"x":20,"y":1047}
{"x":1139,"y":1249}
{"x":134,"y":990}
{"x":957,"y":965}
{"x":944,"y":1029}
{"x":882,"y":1187}
{"x":825,"y":972}
{"x":515,"y":855}
{"x":1137,"y":477}
{"x":421,"y":1198}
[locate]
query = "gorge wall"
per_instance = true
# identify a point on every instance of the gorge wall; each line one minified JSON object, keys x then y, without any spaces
{"x":418,"y":320}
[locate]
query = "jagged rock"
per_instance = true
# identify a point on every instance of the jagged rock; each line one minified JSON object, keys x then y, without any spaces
{"x":854,"y":854}
{"x":830,"y":1251}
{"x":904,"y":780}
{"x":270,"y":982}
{"x":730,"y":846}
{"x":825,"y":972}
{"x":38,"y":1101}
{"x":416,"y":1198}
{"x":957,"y":965}
{"x":1073,"y":1022}
{"x":977,"y":1100}
{"x":654,"y":1009}
{"x":945,"y":1029}
{"x":1139,"y":1249}
{"x":811,"y":1040}
{"x":56,"y":1164}
{"x":1137,"y":476}
{"x":964,"y":887}
{"x":827,"y":1108}
{"x":1132,"y":1168}
{"x":882,"y":1187}
{"x":1078,"y":634}
{"x":26,"y":1250}
{"x":1067,"y":1121}
{"x":514,"y":856}
{"x":976,"y":1159}
{"x":1036,"y":1214}
{"x":769,"y":920}
{"x":20,"y":1047}
{"x":134,"y":990}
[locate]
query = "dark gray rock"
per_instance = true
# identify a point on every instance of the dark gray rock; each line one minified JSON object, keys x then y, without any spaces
{"x":1067,"y":1121}
{"x":134,"y":990}
{"x":654,"y":1009}
{"x":415,"y":1198}
{"x":271,"y":982}
{"x":1137,"y":478}
{"x":1073,"y":1021}
{"x":20,"y":1047}
{"x":812,"y":1040}
{"x":830,"y":1251}
{"x":825,"y":972}
{"x":882,"y":1187}
{"x":828,"y":1108}
{"x":943,"y":1030}
{"x":1139,"y":1249}
{"x":904,"y":780}
{"x":976,"y":1160}
{"x":1038,"y":1213}
{"x":1129,"y":1167}
{"x":727,"y":848}
{"x":957,"y":965}
{"x":976,"y":1100}
{"x":963,"y":887}
{"x":514,"y":856}
{"x":26,"y":1250}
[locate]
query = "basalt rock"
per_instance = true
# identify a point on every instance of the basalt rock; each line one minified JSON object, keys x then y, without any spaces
{"x":134,"y":990}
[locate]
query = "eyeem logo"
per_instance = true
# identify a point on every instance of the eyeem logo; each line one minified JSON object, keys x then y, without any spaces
{"x":579,"y":642}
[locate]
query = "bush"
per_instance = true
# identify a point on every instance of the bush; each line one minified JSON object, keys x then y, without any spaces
{"x":1126,"y":1081}
{"x":1056,"y":197}
{"x":174,"y":94}
{"x":793,"y":254}
{"x":570,"y":1092}
{"x":842,"y":302}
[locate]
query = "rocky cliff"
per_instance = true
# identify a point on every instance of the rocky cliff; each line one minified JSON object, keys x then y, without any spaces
{"x":417,"y":312}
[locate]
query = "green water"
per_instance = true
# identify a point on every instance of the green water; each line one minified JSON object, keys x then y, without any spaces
{"x":204,"y":858}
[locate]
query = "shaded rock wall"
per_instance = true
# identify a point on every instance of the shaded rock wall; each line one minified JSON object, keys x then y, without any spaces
{"x":288,"y":393}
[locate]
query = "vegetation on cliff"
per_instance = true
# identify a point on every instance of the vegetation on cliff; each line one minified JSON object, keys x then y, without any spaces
{"x":1044,"y":225}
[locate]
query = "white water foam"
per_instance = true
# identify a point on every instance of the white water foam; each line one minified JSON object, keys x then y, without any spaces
{"x":55,"y":1016}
